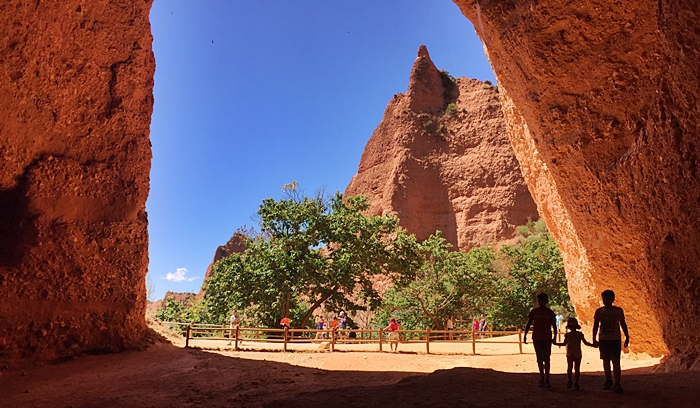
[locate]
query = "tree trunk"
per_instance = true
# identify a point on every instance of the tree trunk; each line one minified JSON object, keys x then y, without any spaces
{"x":315,"y":306}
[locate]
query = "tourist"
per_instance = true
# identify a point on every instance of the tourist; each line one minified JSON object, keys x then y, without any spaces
{"x":233,"y":323}
{"x":572,"y":341}
{"x":609,"y":319}
{"x":475,"y":325}
{"x":560,"y":320}
{"x":334,"y":324}
{"x":450,"y":326}
{"x":542,"y":337}
{"x":320,"y":325}
{"x":482,"y":325}
{"x":393,"y":329}
{"x":343,"y":324}
{"x":285,"y":322}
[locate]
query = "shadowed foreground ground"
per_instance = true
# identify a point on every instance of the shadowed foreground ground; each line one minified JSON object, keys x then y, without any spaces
{"x":166,"y":375}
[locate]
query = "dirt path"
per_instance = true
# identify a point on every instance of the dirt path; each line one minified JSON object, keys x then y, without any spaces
{"x":167,"y":375}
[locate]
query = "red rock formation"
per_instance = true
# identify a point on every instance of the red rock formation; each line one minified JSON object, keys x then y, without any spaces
{"x":75,"y":104}
{"x":185,"y":298}
{"x":603,"y":111}
{"x":234,"y":245}
{"x":449,"y":169}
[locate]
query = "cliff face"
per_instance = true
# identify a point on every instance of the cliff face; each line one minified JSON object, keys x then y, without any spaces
{"x":76,"y":81}
{"x":445,"y":167}
{"x":602,"y":108}
{"x":234,"y":245}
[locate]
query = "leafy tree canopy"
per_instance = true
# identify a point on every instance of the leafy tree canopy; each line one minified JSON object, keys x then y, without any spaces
{"x":312,"y":251}
{"x":502,"y":284}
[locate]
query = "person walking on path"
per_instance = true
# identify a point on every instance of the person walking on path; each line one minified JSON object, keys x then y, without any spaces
{"x":320,"y":325}
{"x":393,"y":329}
{"x":450,"y":326}
{"x":233,"y":323}
{"x":543,"y":335}
{"x":343,"y":324}
{"x":482,"y":325}
{"x":560,"y":320}
{"x":607,"y":322}
{"x":572,"y":341}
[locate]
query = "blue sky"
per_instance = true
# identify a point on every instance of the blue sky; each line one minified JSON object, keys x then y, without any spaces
{"x":250,"y":95}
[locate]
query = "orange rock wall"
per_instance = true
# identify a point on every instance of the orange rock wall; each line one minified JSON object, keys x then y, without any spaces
{"x":602,"y":105}
{"x":449,"y":170}
{"x":76,"y":80}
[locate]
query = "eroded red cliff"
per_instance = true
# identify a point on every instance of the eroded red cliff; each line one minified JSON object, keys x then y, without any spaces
{"x":601,"y":100}
{"x":76,"y":81}
{"x":441,"y":160}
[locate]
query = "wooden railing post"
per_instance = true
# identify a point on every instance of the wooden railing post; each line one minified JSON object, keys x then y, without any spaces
{"x":473,"y":341}
{"x":235,"y":344}
{"x":285,"y":338}
{"x":187,"y":335}
{"x":380,"y":338}
{"x":333,"y":339}
{"x":520,"y":340}
{"x":427,"y":340}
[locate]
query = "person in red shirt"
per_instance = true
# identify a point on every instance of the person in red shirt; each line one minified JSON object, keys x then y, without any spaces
{"x":543,"y":335}
{"x":393,"y":329}
{"x":285,"y":322}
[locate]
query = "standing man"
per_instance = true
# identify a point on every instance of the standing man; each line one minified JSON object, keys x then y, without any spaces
{"x":233,"y":323}
{"x":542,"y":336}
{"x":450,"y":326}
{"x":610,"y":319}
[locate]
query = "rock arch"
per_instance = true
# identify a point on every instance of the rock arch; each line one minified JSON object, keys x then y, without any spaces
{"x":602,"y":104}
{"x":601,"y":99}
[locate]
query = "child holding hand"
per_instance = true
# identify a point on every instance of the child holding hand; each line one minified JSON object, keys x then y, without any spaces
{"x":572,"y":341}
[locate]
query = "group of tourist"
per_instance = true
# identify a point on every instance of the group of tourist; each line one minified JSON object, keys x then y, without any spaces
{"x":545,"y":324}
{"x":607,"y":322}
{"x":337,"y":323}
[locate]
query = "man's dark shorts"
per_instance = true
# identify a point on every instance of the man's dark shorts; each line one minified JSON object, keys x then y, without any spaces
{"x":543,"y":349}
{"x":610,"y":349}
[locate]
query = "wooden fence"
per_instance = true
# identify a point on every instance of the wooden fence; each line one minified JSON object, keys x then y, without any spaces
{"x":194,"y":331}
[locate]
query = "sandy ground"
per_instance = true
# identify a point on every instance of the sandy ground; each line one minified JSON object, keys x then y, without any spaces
{"x":168,"y":375}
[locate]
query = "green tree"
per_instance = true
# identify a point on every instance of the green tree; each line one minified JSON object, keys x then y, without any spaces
{"x":447,"y":283}
{"x":312,"y":251}
{"x":532,"y":266}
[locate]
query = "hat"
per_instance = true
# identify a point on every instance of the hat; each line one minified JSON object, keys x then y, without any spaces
{"x":572,"y":323}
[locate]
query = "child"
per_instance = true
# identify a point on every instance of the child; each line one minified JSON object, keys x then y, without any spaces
{"x":572,"y":341}
{"x":542,"y":335}
{"x":609,"y":319}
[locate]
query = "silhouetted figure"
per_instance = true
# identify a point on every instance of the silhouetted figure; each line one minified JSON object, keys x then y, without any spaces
{"x":609,"y":319}
{"x":572,"y":341}
{"x":543,"y":335}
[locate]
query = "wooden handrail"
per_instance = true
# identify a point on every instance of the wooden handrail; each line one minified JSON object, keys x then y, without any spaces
{"x":209,"y":332}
